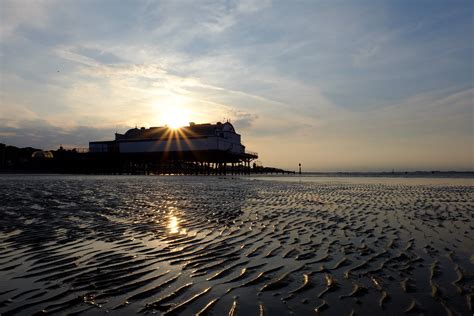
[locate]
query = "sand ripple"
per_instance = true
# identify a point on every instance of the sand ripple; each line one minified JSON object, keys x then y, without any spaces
{"x":205,"y":245}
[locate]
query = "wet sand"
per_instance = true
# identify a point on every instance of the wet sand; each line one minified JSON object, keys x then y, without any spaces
{"x":229,"y":246}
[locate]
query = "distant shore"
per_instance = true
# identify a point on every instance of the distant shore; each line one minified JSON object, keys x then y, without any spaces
{"x":415,"y":174}
{"x":427,"y":174}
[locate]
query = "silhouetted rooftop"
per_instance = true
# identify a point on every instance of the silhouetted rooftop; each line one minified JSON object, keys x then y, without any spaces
{"x":193,"y":130}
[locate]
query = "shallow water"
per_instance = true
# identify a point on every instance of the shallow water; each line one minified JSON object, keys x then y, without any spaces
{"x":233,"y":246}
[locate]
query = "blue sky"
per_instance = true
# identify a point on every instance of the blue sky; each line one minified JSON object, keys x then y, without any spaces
{"x":335,"y":85}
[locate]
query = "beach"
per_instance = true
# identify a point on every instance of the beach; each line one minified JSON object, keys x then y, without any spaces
{"x":185,"y":245}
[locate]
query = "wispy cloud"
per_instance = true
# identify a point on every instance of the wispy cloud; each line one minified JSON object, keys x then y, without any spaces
{"x":16,"y":14}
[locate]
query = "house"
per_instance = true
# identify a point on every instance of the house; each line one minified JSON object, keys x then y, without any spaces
{"x":217,"y":143}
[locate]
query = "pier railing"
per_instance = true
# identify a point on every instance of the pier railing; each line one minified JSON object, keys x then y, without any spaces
{"x":252,"y":153}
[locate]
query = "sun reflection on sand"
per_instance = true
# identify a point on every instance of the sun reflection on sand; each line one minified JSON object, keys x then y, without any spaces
{"x":174,"y":225}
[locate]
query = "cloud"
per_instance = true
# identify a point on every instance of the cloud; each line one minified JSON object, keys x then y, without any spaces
{"x":250,"y":6}
{"x":242,"y":120}
{"x":17,"y":13}
{"x":440,"y":114}
{"x":42,"y":134}
{"x":155,"y":84}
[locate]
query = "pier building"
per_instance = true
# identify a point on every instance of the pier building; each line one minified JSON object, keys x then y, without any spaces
{"x":195,"y":147}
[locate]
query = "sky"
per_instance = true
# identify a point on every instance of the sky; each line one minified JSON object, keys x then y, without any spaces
{"x":334,"y":85}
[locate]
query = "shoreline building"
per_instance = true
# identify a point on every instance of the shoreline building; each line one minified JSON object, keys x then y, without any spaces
{"x":197,"y":148}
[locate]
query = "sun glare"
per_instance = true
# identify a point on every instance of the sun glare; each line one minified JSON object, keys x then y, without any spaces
{"x":175,"y":117}
{"x":173,"y":225}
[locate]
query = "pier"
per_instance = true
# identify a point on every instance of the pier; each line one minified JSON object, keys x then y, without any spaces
{"x":197,"y":149}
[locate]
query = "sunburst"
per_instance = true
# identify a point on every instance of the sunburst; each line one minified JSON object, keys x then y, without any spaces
{"x":175,"y":117}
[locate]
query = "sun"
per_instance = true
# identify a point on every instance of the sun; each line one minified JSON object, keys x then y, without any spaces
{"x":175,"y":117}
